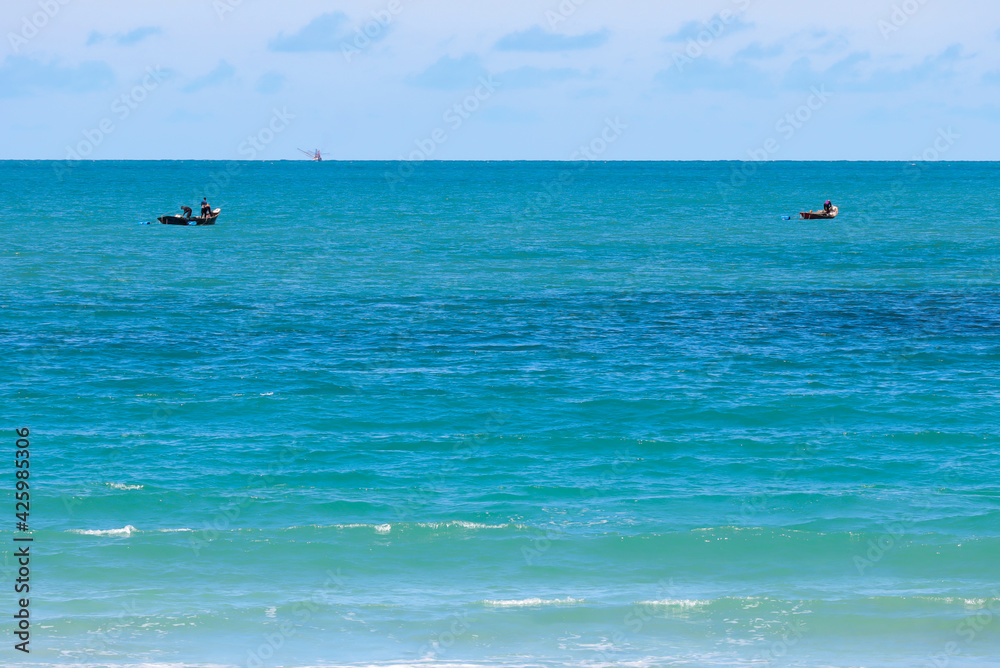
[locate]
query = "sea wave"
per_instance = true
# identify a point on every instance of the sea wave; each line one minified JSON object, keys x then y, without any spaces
{"x":123,"y":486}
{"x":387,"y":527}
{"x":127,"y":530}
{"x":468,"y":525}
{"x":676,"y":603}
{"x":531,"y":602}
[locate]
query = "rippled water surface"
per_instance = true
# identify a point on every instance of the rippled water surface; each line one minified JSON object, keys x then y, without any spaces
{"x":506,"y":414}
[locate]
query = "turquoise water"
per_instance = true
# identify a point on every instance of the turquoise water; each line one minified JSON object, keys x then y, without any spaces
{"x":506,"y":414}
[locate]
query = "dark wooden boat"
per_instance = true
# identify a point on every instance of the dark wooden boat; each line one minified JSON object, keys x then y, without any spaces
{"x":191,"y":220}
{"x":820,"y":215}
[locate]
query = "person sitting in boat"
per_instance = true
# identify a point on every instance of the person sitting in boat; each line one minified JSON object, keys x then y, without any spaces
{"x":828,"y":206}
{"x":206,"y":210}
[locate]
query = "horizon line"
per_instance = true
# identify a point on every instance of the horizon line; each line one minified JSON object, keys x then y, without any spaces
{"x":480,"y":160}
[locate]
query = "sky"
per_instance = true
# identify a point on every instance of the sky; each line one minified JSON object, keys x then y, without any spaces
{"x":500,"y":79}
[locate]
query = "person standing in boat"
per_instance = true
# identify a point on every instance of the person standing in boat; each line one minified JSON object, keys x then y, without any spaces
{"x":206,"y":210}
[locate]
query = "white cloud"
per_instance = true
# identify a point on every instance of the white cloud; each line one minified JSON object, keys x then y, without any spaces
{"x":605,"y":58}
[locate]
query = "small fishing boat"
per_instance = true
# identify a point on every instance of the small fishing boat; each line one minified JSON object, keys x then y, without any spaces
{"x":820,"y":215}
{"x":191,"y":220}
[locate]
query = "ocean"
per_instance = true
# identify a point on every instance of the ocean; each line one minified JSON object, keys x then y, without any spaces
{"x":503,"y":414}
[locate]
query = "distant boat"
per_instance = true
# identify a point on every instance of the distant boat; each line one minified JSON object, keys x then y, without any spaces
{"x":315,"y":155}
{"x":191,"y":220}
{"x":820,"y":215}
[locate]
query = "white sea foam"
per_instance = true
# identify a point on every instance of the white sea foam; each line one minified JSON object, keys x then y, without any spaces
{"x":676,"y":603}
{"x":127,"y":530}
{"x":465,"y":525}
{"x":532,"y":602}
{"x":123,"y":486}
{"x":386,"y":528}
